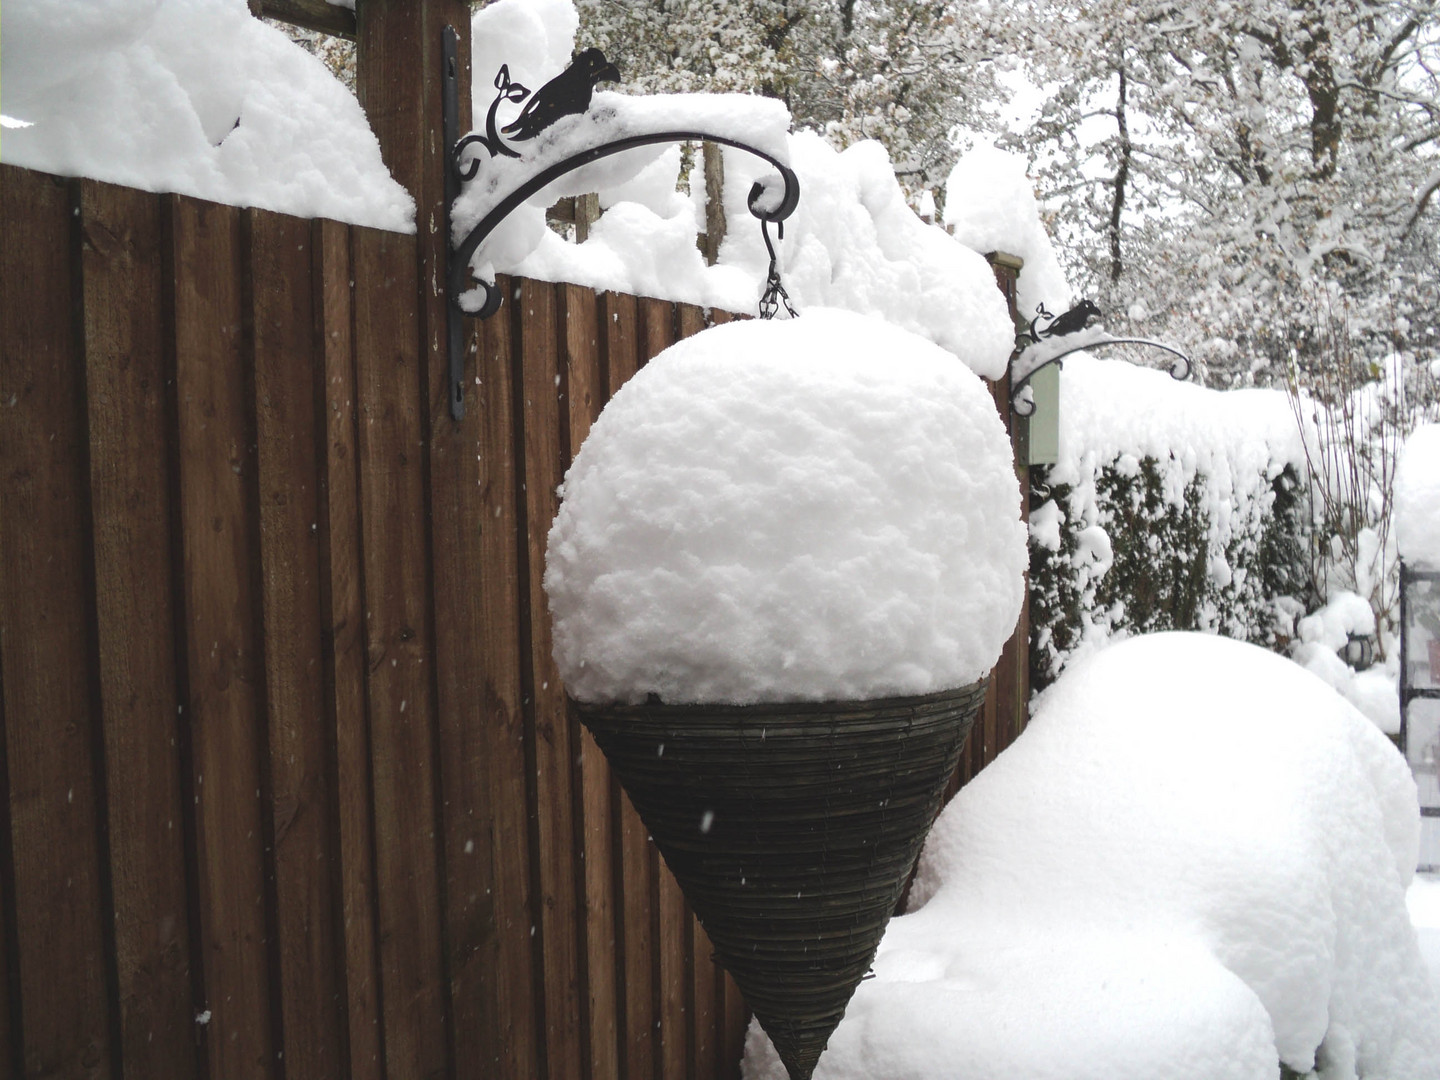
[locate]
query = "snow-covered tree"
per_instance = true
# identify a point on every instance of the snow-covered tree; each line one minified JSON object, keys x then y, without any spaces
{"x":1213,"y":166}
{"x":904,"y":72}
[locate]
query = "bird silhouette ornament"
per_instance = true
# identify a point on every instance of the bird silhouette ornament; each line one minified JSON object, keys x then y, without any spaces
{"x":1069,"y":322}
{"x":565,"y":95}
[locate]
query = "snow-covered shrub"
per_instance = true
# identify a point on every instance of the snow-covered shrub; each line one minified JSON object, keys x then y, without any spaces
{"x":1148,"y":561}
{"x":809,"y":509}
{"x":1171,"y":507}
{"x":1192,"y":865}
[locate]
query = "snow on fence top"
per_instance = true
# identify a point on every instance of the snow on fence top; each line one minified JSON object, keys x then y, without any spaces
{"x":191,"y":96}
{"x":1192,"y":862}
{"x":819,"y":508}
{"x":990,"y":206}
{"x":1417,"y":498}
{"x":1111,"y":408}
{"x":853,"y":242}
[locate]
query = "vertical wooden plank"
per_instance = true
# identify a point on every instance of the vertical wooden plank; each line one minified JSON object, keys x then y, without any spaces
{"x":735,"y":1023}
{"x":634,"y":894}
{"x":300,"y":750}
{"x":342,"y":582}
{"x":478,"y":640}
{"x":658,"y":320}
{"x":498,"y":649}
{"x":585,"y":394}
{"x":704,"y":1014}
{"x":46,"y":659}
{"x":399,"y":655}
{"x":541,"y":385}
{"x":130,"y":455}
{"x":223,"y":659}
{"x":620,"y":315}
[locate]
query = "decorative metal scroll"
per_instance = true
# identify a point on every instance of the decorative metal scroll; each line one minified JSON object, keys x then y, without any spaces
{"x":1069,"y":332}
{"x":560,"y":100}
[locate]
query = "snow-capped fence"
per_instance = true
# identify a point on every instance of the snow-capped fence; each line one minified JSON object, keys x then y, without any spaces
{"x":288,"y":773}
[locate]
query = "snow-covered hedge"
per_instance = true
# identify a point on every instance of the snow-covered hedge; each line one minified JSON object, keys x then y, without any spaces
{"x":1172,"y":507}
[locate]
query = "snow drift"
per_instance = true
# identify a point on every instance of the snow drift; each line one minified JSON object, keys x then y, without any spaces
{"x":1191,"y":864}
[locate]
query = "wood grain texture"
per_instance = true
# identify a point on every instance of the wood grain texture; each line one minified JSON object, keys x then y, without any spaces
{"x":135,"y":610}
{"x":47,"y":662}
{"x":301,"y":753}
{"x":585,"y":393}
{"x":399,"y":654}
{"x":497,"y":583}
{"x":343,"y":614}
{"x":224,"y":663}
{"x":541,"y":385}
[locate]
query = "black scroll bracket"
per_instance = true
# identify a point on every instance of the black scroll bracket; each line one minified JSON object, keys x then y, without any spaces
{"x":1180,"y":370}
{"x":457,"y":272}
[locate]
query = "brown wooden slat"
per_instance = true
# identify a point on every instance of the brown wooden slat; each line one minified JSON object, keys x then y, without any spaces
{"x":619,"y":312}
{"x":634,"y":897}
{"x":657,"y":332}
{"x":129,"y":484}
{"x":301,"y":754}
{"x":225,"y":712}
{"x":477,"y":586}
{"x":585,"y":394}
{"x":311,"y":14}
{"x":10,"y":1024}
{"x":735,"y":1023}
{"x":46,"y":658}
{"x":344,"y":628}
{"x":705,"y":1015}
{"x":541,"y":385}
{"x":496,"y":581}
{"x":399,"y":656}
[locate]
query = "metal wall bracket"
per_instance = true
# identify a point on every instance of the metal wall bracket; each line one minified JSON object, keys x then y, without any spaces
{"x":1041,"y":346}
{"x":457,"y":271}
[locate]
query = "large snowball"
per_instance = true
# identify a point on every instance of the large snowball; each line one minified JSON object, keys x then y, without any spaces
{"x":822,"y":508}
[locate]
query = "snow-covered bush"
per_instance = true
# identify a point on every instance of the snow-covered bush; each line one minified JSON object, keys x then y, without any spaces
{"x":1171,"y":507}
{"x":816,"y":508}
{"x":1192,"y":865}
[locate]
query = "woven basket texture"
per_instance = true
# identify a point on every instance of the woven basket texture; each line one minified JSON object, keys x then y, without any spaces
{"x":792,"y":830}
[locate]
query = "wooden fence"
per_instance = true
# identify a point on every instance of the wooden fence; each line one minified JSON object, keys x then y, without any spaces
{"x":288,"y":787}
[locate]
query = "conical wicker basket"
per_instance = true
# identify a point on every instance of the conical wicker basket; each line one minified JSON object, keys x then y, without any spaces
{"x":792,"y":830}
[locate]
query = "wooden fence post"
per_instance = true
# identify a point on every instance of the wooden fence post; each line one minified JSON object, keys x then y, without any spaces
{"x":422,"y":468}
{"x":1012,"y":673}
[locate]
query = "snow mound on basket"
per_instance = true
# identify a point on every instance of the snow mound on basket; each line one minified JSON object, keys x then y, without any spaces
{"x":1191,"y":864}
{"x":819,"y":508}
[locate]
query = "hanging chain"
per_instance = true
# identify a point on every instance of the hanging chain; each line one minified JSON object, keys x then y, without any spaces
{"x":775,"y":293}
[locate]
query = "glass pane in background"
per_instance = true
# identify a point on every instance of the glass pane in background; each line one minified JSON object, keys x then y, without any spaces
{"x":1422,"y":747}
{"x":1422,"y":633}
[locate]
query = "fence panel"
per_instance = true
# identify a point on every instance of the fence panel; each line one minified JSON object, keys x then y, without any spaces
{"x":131,"y":465}
{"x":301,"y":746}
{"x":54,"y":882}
{"x":288,"y":781}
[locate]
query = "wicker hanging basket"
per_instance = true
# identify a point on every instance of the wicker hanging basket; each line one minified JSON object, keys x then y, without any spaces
{"x":792,"y":830}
